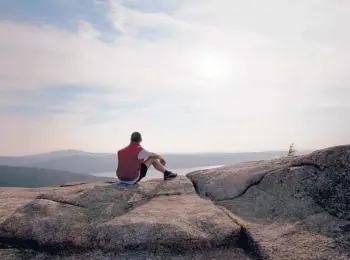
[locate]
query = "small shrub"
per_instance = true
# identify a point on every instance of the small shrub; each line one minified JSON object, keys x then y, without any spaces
{"x":291,"y":151}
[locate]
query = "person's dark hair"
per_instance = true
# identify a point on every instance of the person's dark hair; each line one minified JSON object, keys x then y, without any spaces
{"x":136,"y":137}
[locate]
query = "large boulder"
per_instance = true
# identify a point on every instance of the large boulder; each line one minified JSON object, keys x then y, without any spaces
{"x":155,"y":216}
{"x":12,"y":198}
{"x":289,"y":208}
{"x":294,"y":208}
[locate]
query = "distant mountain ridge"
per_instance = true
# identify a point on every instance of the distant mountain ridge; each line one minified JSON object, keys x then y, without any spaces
{"x":19,"y":176}
{"x":87,"y":163}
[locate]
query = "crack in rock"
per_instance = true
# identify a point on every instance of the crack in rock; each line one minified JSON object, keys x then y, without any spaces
{"x":253,"y":183}
{"x":62,"y":202}
{"x":246,"y":241}
{"x":263,"y":174}
{"x":269,"y":172}
{"x":305,"y":163}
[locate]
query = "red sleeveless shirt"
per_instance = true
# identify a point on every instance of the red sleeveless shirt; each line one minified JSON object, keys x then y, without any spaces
{"x":128,"y":163}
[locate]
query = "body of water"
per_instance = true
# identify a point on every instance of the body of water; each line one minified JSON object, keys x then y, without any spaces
{"x":154,"y":174}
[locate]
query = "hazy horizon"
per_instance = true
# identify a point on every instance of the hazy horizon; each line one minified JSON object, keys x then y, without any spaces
{"x":192,"y":76}
{"x":168,"y":153}
{"x":91,"y":163}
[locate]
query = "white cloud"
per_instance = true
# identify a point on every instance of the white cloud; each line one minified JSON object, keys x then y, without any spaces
{"x":220,"y":70}
{"x":86,"y":30}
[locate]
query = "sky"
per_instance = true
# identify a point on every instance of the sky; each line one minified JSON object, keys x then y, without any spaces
{"x":190,"y":75}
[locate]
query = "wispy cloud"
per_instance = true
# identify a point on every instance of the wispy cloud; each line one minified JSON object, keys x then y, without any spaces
{"x":155,"y":6}
{"x":49,"y":100}
{"x":191,"y":75}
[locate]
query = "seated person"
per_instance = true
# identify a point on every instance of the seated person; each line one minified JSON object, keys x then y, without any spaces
{"x":134,"y":161}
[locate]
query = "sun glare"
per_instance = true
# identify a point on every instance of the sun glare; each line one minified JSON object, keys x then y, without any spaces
{"x":211,"y":66}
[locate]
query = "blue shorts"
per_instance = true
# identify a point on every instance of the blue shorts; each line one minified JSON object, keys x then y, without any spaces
{"x":143,"y":173}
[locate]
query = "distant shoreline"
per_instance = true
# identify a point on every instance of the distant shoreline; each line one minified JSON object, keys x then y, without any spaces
{"x":153,"y":173}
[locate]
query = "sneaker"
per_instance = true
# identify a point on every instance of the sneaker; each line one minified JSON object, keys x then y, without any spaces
{"x":169,"y":175}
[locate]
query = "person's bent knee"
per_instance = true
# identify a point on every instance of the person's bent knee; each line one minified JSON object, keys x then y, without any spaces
{"x":149,"y":161}
{"x":155,"y":160}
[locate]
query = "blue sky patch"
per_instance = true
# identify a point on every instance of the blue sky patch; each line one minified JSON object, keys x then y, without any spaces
{"x":153,"y":6}
{"x":63,"y":14}
{"x":66,"y":14}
